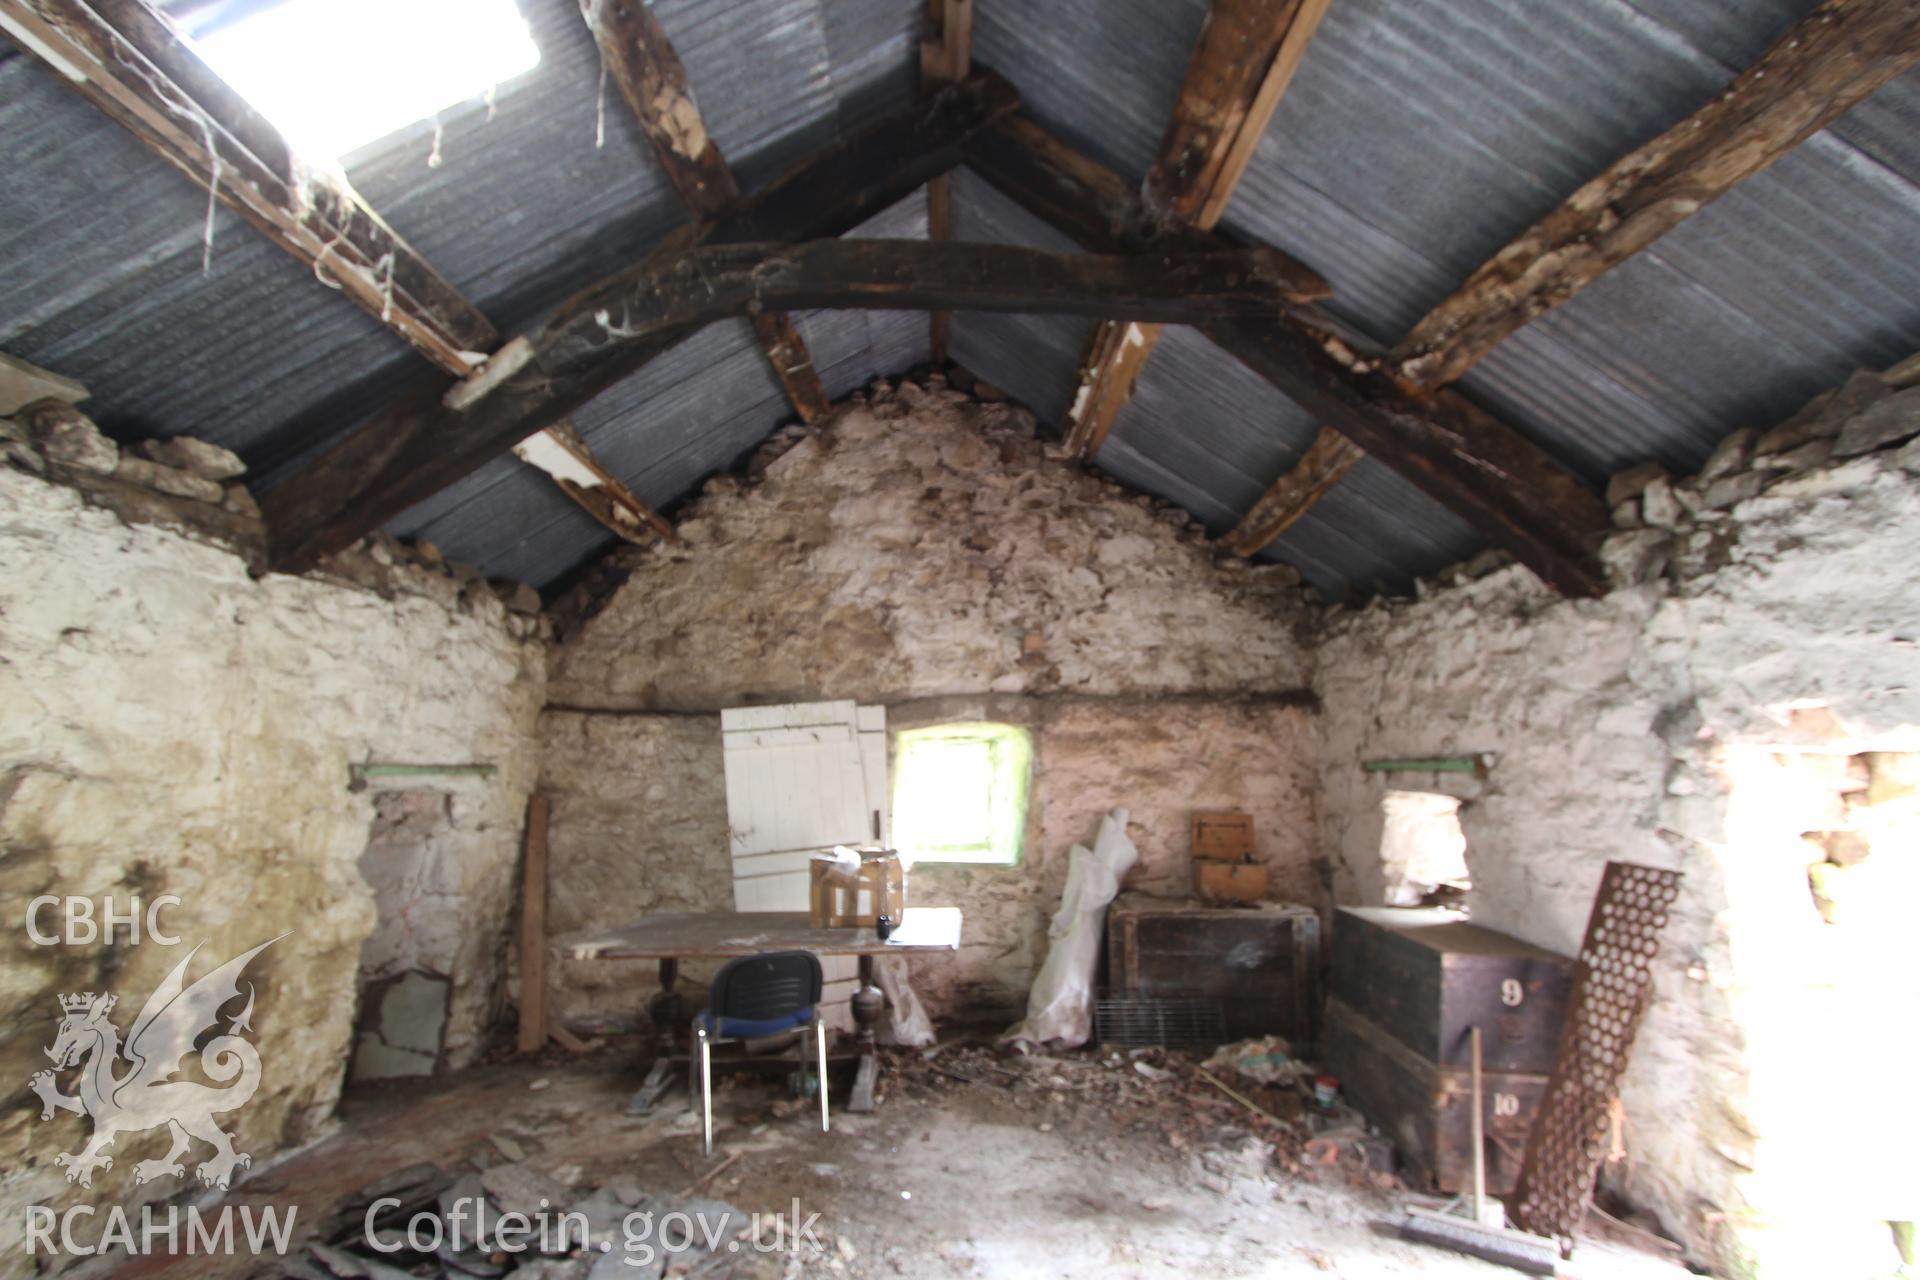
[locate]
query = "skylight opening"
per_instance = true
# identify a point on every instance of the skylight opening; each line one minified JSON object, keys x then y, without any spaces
{"x":335,"y":75}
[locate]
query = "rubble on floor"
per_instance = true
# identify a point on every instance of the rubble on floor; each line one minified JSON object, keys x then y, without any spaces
{"x":1263,"y":1124}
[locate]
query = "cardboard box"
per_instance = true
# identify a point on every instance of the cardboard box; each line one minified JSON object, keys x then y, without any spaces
{"x":1223,"y":837}
{"x":840,"y":898}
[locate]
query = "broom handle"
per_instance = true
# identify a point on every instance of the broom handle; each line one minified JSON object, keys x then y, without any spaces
{"x":1479,"y":1133}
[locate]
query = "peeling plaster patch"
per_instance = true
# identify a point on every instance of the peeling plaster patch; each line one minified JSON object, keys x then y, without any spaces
{"x":543,"y":451}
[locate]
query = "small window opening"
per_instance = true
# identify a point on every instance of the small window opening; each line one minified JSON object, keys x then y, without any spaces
{"x":1423,"y":851}
{"x":409,"y":61}
{"x":960,"y":793}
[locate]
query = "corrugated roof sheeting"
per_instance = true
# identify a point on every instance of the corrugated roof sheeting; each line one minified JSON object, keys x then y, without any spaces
{"x":694,"y":411}
{"x":1461,"y":125}
{"x":523,"y":208}
{"x":874,"y":49}
{"x":1207,"y":424}
{"x":1103,"y":74}
{"x":103,"y":246}
{"x":1033,"y":358}
{"x":1205,"y":432}
{"x":1418,"y":137}
{"x":1421,"y":135}
{"x":1374,"y":530}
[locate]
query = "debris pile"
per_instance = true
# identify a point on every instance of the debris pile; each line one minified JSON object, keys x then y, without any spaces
{"x":1248,"y":1111}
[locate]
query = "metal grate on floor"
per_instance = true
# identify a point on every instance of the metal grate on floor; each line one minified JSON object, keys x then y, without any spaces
{"x":1173,"y":1021}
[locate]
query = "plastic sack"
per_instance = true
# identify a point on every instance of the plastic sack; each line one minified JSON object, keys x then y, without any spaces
{"x":1060,"y":1003}
{"x":904,"y":1021}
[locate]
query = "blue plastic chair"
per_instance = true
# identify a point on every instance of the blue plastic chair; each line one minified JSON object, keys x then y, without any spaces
{"x":758,"y":996}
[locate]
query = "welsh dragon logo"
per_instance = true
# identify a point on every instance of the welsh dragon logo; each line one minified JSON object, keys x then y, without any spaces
{"x":145,"y":1095}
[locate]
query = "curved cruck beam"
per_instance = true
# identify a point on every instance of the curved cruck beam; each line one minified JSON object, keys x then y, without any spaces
{"x":603,"y":335}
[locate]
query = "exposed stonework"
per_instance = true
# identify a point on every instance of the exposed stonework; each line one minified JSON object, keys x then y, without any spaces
{"x":1785,"y":617}
{"x":1161,"y":760}
{"x":170,"y":725}
{"x":924,"y":545}
{"x":925,"y":552}
{"x":639,"y":825}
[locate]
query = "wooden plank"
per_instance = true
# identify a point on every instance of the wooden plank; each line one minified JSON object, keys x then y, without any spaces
{"x":1273,"y":86}
{"x":1833,"y":59}
{"x":562,"y":454}
{"x":126,"y":59}
{"x":533,"y":930}
{"x":1456,"y":452}
{"x":1116,"y":353}
{"x":719,"y":935}
{"x":613,"y":329}
{"x":370,"y":478}
{"x":1245,"y":58}
{"x":946,"y":56}
{"x":144,"y":77}
{"x":1462,"y":456}
{"x":792,"y":364}
{"x":642,"y":62}
{"x":1330,"y":456}
{"x":21,"y":384}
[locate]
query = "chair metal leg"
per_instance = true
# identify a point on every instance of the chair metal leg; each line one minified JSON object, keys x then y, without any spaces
{"x":820,"y":1039}
{"x":706,"y":1085}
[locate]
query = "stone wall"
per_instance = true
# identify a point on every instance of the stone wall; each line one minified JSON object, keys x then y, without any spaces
{"x":639,"y":825}
{"x":926,"y":553}
{"x":1772,"y":602}
{"x":170,"y":725}
{"x":921,"y":545}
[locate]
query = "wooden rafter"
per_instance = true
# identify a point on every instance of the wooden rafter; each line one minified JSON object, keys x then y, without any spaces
{"x":828,"y":195}
{"x":127,"y":60}
{"x":1824,"y":66}
{"x":614,"y":328}
{"x":1246,"y":57}
{"x":946,"y":56}
{"x":1330,"y":456}
{"x":1459,"y":454}
{"x":643,"y":64}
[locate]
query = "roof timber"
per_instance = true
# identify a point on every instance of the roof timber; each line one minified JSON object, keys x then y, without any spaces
{"x":946,"y":55}
{"x":643,"y":64}
{"x":1457,"y":453}
{"x":827,"y":195}
{"x":1833,"y":59}
{"x":1246,"y":56}
{"x":608,"y":332}
{"x":1329,"y":457}
{"x":127,"y":60}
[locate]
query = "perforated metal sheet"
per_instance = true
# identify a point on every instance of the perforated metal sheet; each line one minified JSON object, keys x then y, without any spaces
{"x":1610,"y":992}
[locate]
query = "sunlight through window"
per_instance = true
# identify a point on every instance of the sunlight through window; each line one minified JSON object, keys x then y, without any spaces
{"x":334,"y":75}
{"x":960,"y":793}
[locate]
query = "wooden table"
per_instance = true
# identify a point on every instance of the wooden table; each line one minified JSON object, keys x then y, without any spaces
{"x":722,"y":935}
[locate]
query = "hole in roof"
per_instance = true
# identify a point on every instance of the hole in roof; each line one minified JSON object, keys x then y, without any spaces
{"x":335,"y":75}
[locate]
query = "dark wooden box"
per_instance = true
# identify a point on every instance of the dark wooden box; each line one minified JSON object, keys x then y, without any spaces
{"x":1261,"y":961}
{"x":1426,"y":1109}
{"x":1425,"y":975}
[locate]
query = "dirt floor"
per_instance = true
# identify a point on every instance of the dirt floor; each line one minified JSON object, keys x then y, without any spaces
{"x":975,"y":1164}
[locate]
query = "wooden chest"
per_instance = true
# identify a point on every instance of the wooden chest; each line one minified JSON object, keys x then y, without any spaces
{"x":1425,"y":1109}
{"x":1425,"y":975}
{"x":1261,"y":962}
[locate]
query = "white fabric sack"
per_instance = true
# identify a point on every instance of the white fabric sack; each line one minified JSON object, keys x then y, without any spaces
{"x":1060,"y":1004}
